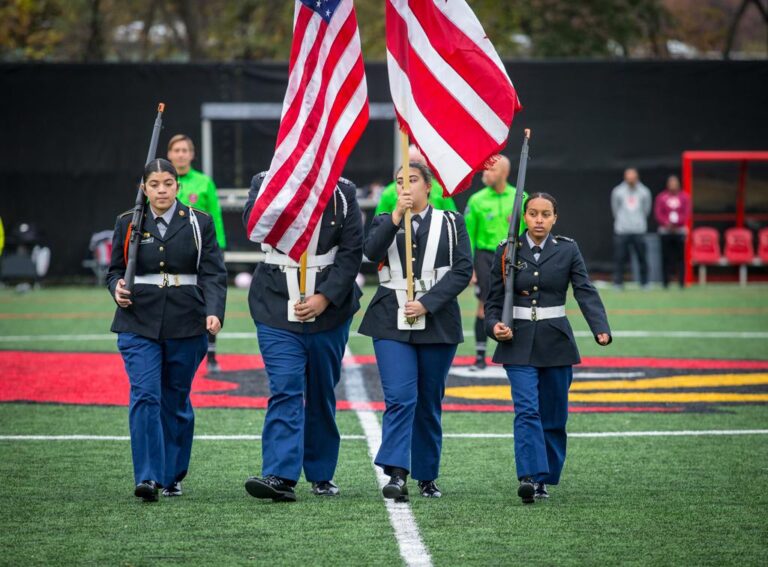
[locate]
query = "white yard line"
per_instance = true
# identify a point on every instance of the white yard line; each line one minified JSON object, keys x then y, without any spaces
{"x":602,"y":434}
{"x":252,"y":336}
{"x":412,"y":548}
{"x":368,"y":415}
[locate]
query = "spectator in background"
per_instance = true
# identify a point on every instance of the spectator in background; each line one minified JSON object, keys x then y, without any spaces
{"x":672,"y":210}
{"x":631,"y":204}
{"x":197,"y":190}
{"x":388,"y":200}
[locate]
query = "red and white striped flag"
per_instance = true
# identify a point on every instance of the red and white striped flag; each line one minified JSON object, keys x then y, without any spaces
{"x":451,"y":92}
{"x":324,"y":113}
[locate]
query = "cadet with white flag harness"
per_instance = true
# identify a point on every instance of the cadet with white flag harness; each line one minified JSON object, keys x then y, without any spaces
{"x":415,"y":339}
{"x":303,"y":311}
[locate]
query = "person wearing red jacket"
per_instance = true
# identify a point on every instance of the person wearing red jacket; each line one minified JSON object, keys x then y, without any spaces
{"x":672,"y":210}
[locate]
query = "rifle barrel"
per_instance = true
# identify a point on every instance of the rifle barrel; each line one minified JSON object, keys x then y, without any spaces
{"x":514,"y":234}
{"x":140,"y":203}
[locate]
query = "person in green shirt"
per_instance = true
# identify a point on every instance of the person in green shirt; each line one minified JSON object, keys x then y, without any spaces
{"x":487,"y":216}
{"x":388,"y":199}
{"x":197,"y":190}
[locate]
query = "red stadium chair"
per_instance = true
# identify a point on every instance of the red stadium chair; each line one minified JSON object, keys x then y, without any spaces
{"x":762,"y":245}
{"x":739,"y":250}
{"x":705,"y":250}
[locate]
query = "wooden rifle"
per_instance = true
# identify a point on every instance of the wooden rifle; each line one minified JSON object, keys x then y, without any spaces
{"x":510,"y":253}
{"x":135,"y":229}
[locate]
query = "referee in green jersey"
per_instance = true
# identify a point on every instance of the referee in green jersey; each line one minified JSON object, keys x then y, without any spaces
{"x":487,"y":217}
{"x":197,"y":190}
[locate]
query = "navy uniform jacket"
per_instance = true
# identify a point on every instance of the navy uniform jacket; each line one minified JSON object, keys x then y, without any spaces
{"x":170,"y":312}
{"x":268,"y":296}
{"x":443,"y":319}
{"x":548,"y":342}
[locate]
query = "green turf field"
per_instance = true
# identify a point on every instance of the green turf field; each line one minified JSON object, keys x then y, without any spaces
{"x":38,"y":317}
{"x":662,"y":500}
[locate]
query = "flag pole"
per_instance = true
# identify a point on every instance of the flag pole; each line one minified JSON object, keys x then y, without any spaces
{"x":303,"y":277}
{"x":408,"y":227}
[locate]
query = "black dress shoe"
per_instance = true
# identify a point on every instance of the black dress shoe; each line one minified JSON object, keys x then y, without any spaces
{"x":147,"y":490}
{"x":396,"y":489}
{"x":526,"y":490}
{"x":325,"y":488}
{"x":272,"y":487}
{"x":479,"y":364}
{"x":540,"y":490}
{"x":173,"y":490}
{"x":429,"y":489}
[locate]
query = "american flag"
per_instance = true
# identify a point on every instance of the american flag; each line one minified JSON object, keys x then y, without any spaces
{"x":325,"y":111}
{"x":451,"y":92}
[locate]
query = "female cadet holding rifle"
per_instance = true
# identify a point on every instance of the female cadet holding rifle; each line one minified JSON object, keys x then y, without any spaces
{"x":538,"y":354}
{"x":179,"y":295}
{"x":414,"y":356}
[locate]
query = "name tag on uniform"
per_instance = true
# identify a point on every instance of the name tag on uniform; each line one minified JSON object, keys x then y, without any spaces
{"x":148,"y":240}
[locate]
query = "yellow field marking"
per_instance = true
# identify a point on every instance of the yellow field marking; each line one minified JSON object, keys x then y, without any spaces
{"x":503,"y":393}
{"x":668,"y":397}
{"x":683,"y":381}
{"x":598,"y":390}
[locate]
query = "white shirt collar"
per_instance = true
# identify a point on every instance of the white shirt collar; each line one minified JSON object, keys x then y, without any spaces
{"x":167,"y":216}
{"x":423,"y":214}
{"x":531,"y":243}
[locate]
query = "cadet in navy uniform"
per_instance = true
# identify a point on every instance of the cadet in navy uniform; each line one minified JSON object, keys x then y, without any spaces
{"x":414,"y":360}
{"x":303,"y":344}
{"x":538,"y":356}
{"x":179,"y":295}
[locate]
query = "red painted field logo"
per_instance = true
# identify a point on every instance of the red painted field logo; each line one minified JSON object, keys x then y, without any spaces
{"x":600,"y":384}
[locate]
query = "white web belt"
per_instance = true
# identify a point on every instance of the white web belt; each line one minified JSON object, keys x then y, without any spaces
{"x":538,"y":313}
{"x":315,"y":263}
{"x":392,"y":276}
{"x":167,"y":280}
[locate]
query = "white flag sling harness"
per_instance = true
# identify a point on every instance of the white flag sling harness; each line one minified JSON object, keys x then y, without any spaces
{"x":315,"y":263}
{"x":392,"y":276}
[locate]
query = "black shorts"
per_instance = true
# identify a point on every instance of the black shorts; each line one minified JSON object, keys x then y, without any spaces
{"x":483,"y":264}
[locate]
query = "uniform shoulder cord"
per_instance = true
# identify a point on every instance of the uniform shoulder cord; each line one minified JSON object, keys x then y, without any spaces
{"x":453,"y":236}
{"x":196,"y":235}
{"x":344,"y":205}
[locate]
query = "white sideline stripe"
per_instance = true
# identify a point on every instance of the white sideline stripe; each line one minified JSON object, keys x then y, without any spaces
{"x":127,"y":438}
{"x":372,"y":415}
{"x":252,"y":336}
{"x":684,"y":334}
{"x":412,"y":548}
{"x":603,"y":434}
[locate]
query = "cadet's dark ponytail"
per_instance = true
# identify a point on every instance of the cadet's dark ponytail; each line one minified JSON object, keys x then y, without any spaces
{"x":160,"y":165}
{"x":545,"y":196}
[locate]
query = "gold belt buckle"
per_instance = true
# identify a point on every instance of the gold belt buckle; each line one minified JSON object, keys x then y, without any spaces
{"x":176,"y":280}
{"x":165,"y":280}
{"x":533,"y":313}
